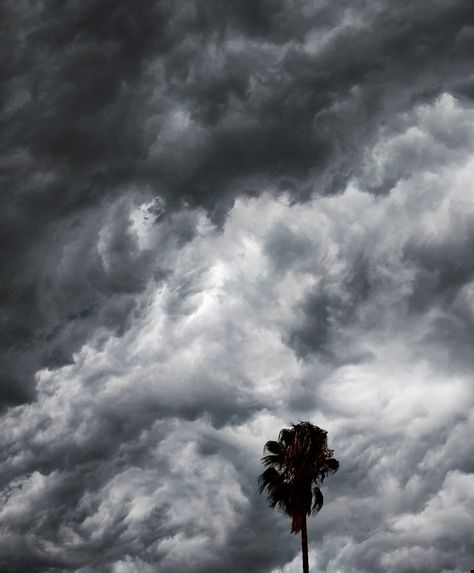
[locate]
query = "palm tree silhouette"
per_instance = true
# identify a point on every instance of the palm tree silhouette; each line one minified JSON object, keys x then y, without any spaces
{"x":297,"y":465}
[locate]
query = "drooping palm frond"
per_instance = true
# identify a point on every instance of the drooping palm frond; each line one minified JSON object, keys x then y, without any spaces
{"x":272,"y":460}
{"x":318,"y":500}
{"x":274,"y":457}
{"x":273,"y":447}
{"x":277,"y":489}
{"x":329,"y":467}
{"x":269,"y":479}
{"x":286,"y":436}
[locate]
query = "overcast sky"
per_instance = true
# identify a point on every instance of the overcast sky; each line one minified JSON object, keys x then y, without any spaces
{"x":220,"y":217}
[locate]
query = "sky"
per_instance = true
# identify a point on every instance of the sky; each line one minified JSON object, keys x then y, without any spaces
{"x":219,"y":218}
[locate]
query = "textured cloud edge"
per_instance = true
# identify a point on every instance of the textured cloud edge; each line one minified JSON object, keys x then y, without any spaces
{"x":353,"y":310}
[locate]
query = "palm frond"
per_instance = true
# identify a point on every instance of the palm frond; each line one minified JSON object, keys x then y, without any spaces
{"x":277,"y":489}
{"x":272,"y":460}
{"x":332,"y":464}
{"x":273,"y":447}
{"x":318,"y":500}
{"x":280,"y":497}
{"x":269,"y":479}
{"x":286,"y":436}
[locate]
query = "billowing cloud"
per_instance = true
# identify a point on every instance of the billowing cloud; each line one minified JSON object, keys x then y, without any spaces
{"x":220,"y":219}
{"x":197,"y":104}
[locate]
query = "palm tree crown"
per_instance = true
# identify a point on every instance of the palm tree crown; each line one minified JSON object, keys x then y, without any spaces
{"x":296,"y":465}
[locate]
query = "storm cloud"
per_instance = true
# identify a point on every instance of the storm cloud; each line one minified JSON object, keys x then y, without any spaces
{"x":220,"y":218}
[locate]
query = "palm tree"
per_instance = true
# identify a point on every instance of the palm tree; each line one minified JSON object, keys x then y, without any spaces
{"x":297,"y":465}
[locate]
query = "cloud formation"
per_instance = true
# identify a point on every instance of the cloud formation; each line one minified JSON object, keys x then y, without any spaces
{"x":221,"y":218}
{"x":197,"y":104}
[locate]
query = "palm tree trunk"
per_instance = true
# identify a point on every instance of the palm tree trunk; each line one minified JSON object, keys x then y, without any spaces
{"x":304,"y":545}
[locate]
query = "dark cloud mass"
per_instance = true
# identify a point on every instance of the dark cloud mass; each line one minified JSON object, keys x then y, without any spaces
{"x":220,"y":217}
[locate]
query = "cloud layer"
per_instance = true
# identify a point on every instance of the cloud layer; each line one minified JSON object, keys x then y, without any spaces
{"x":196,"y":103}
{"x":220,"y":218}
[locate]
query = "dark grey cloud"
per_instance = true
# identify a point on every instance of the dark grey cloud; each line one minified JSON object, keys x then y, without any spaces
{"x":219,"y":218}
{"x":197,"y":103}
